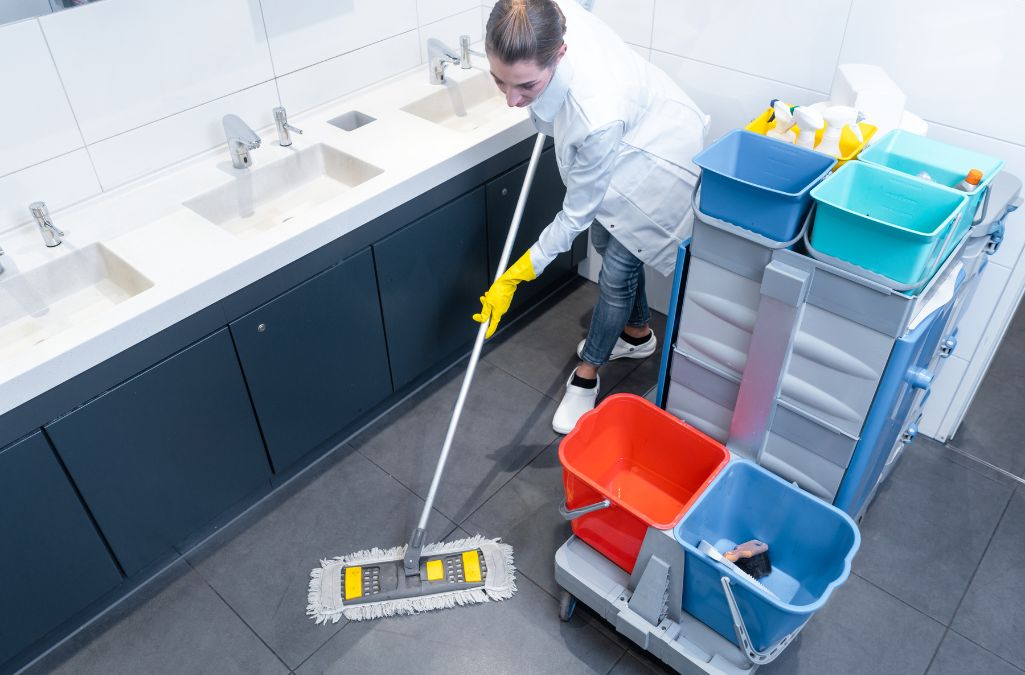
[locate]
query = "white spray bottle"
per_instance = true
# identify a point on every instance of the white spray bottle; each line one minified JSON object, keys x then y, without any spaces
{"x":836,"y":117}
{"x":809,"y":121}
{"x":784,"y":121}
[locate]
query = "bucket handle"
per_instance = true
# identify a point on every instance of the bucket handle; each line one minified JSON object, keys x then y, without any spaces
{"x":867,"y":273}
{"x":758,"y":658}
{"x":742,"y":232}
{"x":583,"y":510}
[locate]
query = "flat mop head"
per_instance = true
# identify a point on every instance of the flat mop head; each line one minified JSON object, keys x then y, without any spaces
{"x":373,"y":584}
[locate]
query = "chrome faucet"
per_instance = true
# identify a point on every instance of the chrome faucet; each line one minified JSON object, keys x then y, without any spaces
{"x":1,"y":264}
{"x":241,"y":139}
{"x":465,"y":52}
{"x":52,"y":235}
{"x":281,"y":122}
{"x":438,"y":56}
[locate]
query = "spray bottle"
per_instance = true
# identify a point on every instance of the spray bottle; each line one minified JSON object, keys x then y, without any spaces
{"x":784,"y":121}
{"x":837,"y":117}
{"x":809,"y":122}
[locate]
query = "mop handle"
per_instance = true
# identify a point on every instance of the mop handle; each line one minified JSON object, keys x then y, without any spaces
{"x":478,"y":344}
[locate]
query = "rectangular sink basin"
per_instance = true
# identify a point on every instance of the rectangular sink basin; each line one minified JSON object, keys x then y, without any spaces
{"x":69,"y":291}
{"x":260,"y":199}
{"x":462,"y":106}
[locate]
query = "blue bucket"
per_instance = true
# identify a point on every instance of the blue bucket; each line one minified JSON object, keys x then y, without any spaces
{"x":945,"y":164}
{"x":811,"y":545}
{"x":760,"y":183}
{"x":886,"y":221}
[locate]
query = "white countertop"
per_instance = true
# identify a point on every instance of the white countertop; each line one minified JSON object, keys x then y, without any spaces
{"x":193,"y":263}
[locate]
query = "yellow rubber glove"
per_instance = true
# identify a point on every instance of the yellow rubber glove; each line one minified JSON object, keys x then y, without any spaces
{"x":495,"y":303}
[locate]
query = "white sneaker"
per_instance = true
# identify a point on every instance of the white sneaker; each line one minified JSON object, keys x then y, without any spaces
{"x":575,"y":402}
{"x":625,"y":350}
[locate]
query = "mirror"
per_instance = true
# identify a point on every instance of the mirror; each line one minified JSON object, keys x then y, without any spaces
{"x":18,"y":10}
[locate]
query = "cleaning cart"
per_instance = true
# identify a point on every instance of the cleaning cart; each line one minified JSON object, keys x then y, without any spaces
{"x":809,"y":363}
{"x":640,"y":465}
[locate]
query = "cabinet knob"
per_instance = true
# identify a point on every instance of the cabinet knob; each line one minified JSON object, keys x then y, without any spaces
{"x":505,"y":191}
{"x":261,"y":328}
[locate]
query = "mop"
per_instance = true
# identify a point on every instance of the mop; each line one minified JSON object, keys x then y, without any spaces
{"x":416,"y":578}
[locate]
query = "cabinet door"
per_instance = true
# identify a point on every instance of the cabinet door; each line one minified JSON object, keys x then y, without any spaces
{"x":544,"y":201}
{"x":314,"y":358}
{"x":162,"y":455}
{"x":54,"y":562}
{"x":431,"y":274}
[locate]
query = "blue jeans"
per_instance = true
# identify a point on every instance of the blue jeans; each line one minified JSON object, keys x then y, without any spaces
{"x":621,"y":298}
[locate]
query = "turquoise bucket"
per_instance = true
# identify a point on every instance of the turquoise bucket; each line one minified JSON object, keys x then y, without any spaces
{"x":885,"y":221}
{"x":945,"y":164}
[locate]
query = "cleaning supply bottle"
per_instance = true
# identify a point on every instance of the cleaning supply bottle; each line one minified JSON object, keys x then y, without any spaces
{"x":809,"y":122}
{"x":971,"y":181}
{"x":784,"y":121}
{"x":835,"y":117}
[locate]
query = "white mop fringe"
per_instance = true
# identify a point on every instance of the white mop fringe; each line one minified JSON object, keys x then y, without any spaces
{"x":326,"y":602}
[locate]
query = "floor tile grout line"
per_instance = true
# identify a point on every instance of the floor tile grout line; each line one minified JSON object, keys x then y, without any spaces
{"x":935,"y":652}
{"x":626,"y":650}
{"x":982,"y":557}
{"x":511,"y":479}
{"x":988,"y":651}
{"x":900,"y":600}
{"x":235,"y":612}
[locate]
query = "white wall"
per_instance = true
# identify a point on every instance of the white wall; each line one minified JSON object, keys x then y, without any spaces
{"x":100,"y":95}
{"x":962,"y":68}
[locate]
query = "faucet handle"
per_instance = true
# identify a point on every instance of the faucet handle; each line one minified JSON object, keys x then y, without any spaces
{"x":281,"y":122}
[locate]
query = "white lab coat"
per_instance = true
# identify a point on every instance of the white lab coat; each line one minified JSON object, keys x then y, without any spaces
{"x":625,"y":135}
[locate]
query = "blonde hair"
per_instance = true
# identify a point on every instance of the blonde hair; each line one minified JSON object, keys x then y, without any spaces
{"x":525,"y":30}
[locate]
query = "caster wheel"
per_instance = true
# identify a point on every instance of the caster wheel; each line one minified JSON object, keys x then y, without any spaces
{"x":567,"y":603}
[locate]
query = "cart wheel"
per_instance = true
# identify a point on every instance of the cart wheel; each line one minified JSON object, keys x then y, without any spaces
{"x":567,"y":603}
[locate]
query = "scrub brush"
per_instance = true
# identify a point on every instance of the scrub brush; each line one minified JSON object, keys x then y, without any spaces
{"x":713,"y":553}
{"x":752,"y":557}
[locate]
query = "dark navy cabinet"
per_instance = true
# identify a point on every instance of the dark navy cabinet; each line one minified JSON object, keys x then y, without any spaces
{"x":143,"y":454}
{"x":431,"y":274}
{"x":164,"y":454}
{"x":545,"y":200}
{"x":314,"y":358}
{"x":53,"y":562}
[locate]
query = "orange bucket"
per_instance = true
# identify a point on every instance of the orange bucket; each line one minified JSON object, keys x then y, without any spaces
{"x":629,"y":464}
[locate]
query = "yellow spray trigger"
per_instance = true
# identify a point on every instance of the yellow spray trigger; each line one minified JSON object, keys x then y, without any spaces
{"x":353,"y":582}
{"x":435,"y":570}
{"x":471,"y":567}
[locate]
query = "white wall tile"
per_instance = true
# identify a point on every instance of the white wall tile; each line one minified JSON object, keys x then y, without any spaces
{"x":943,"y":389}
{"x":631,"y":19}
{"x":152,"y":147}
{"x":1014,"y":162}
{"x":977,"y":318}
{"x":304,"y":33}
{"x":732,"y":99}
{"x":317,"y":84}
{"x":126,"y":63}
{"x":429,"y":11}
{"x":35,"y":115}
{"x":798,"y":45}
{"x":448,"y":31}
{"x":643,"y":51}
{"x":959,"y":64}
{"x":59,"y":182}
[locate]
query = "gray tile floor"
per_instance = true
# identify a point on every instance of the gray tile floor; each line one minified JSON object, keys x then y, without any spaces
{"x":937,"y":588}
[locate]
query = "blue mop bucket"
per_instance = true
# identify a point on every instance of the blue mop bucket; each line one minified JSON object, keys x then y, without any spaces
{"x":811,"y":545}
{"x":886,"y":221}
{"x":760,"y":183}
{"x":945,"y":164}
